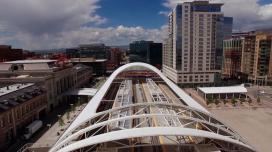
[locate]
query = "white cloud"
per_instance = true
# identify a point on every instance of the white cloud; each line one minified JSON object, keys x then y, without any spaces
{"x":42,"y":24}
{"x":164,"y":13}
{"x":248,"y":14}
{"x":266,"y":12}
{"x":48,"y":16}
{"x":110,"y":36}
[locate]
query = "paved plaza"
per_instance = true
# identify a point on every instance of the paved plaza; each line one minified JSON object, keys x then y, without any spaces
{"x":252,"y":124}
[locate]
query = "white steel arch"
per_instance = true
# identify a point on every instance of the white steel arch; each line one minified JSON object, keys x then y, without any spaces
{"x":145,"y":132}
{"x":208,"y":120}
{"x":65,"y":143}
{"x":92,"y":106}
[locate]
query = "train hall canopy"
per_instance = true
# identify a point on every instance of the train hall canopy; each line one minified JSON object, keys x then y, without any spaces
{"x":139,"y":109}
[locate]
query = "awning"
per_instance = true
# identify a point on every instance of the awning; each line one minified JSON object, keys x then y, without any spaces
{"x":221,"y":90}
{"x":82,"y":92}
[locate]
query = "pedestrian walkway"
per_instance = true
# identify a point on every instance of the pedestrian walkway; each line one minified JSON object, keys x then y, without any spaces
{"x":55,"y":131}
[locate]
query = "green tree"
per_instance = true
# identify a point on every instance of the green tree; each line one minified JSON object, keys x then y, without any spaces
{"x":233,"y":101}
{"x":61,"y":122}
{"x":217,"y":102}
{"x":225,"y":101}
{"x":68,"y":115}
{"x":73,"y":107}
{"x":209,"y":100}
{"x":78,"y":103}
{"x":242,"y":99}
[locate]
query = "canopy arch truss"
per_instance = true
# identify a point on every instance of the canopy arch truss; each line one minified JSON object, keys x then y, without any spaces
{"x":194,"y":121}
{"x":158,"y":122}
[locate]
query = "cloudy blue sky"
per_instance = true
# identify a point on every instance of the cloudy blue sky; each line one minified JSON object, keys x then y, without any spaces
{"x":43,"y":24}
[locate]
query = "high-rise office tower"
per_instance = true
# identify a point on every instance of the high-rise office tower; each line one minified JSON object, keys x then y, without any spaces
{"x":248,"y":57}
{"x":232,"y":56}
{"x":147,"y":52}
{"x":193,"y":50}
{"x":263,"y":57}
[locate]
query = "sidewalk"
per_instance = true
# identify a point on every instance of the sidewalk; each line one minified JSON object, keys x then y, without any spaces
{"x":51,"y":118}
{"x":51,"y":136}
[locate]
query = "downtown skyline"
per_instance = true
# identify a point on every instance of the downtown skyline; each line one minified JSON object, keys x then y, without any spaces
{"x":66,"y":23}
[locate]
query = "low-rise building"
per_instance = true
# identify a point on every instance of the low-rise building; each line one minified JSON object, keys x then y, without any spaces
{"x":96,"y":50}
{"x":7,"y":53}
{"x":20,"y":104}
{"x":98,"y":66}
{"x":56,"y":78}
{"x":114,"y":60}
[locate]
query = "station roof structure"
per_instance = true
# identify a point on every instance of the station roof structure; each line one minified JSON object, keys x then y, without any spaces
{"x":14,"y":87}
{"x":221,"y":90}
{"x":30,"y":61}
{"x":83,"y":92}
{"x":146,"y":112}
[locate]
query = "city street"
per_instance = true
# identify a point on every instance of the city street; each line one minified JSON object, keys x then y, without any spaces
{"x":51,"y":118}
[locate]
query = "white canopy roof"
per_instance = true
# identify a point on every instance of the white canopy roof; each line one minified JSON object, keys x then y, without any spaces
{"x":66,"y":141}
{"x":30,"y":61}
{"x":228,"y":89}
{"x":90,"y":110}
{"x":83,"y":92}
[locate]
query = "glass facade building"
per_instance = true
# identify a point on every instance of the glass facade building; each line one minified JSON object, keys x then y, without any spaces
{"x":147,"y":52}
{"x":193,"y":50}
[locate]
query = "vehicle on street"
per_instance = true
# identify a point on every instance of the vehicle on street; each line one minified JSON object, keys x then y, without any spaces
{"x":32,"y":128}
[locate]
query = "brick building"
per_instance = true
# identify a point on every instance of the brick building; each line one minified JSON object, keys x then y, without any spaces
{"x":7,"y":53}
{"x":248,"y":56}
{"x":55,"y":77}
{"x":20,"y":104}
{"x":114,"y":59}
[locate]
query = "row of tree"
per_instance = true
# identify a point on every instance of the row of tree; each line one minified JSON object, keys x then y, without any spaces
{"x":70,"y":110}
{"x":234,"y":101}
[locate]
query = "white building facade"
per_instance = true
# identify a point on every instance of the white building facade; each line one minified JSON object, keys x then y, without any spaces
{"x":192,"y":52}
